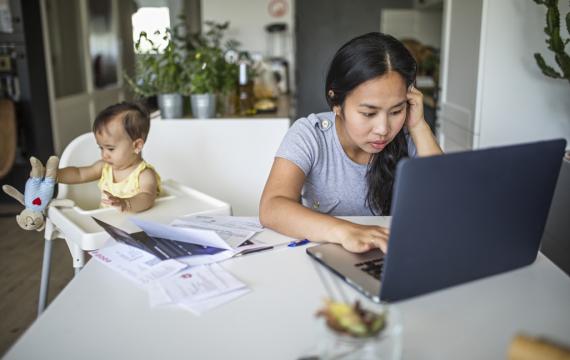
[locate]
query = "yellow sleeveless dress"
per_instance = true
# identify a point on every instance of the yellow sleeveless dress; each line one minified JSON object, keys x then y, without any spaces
{"x":129,"y":186}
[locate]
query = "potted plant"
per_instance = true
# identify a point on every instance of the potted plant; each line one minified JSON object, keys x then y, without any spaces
{"x":555,"y":42}
{"x":203,"y":83}
{"x":209,"y":73}
{"x":159,"y":71}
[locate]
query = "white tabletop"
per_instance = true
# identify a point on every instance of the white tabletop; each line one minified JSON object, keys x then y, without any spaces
{"x":101,"y":315}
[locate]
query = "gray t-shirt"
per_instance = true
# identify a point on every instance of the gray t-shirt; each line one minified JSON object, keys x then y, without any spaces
{"x":334,"y":183}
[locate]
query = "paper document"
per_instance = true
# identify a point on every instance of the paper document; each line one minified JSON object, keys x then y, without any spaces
{"x":171,"y":282}
{"x":199,"y":283}
{"x":234,"y":230}
{"x":137,"y":265}
{"x":159,"y":297}
{"x":163,"y":248}
{"x":200,"y":307}
{"x":184,"y":234}
{"x":233,"y":237}
{"x":225,"y":222}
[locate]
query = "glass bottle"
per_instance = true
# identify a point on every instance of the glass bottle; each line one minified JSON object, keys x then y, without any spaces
{"x":245,"y":91}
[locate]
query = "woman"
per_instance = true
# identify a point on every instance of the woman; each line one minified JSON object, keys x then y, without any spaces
{"x":342,"y":163}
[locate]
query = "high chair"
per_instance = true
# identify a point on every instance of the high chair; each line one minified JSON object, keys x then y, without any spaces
{"x":80,"y":231}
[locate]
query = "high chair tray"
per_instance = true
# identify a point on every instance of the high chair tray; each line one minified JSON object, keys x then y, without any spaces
{"x":76,"y":224}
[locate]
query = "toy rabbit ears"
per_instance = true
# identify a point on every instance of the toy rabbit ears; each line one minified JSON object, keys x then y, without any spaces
{"x":12,"y":192}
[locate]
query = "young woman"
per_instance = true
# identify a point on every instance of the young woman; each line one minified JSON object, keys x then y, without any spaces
{"x":342,"y":163}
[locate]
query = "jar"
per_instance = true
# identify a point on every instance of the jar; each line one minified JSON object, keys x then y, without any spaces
{"x":386,"y":345}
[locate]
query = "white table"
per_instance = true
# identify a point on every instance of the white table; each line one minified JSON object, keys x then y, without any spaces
{"x":101,"y":315}
{"x":82,"y":233}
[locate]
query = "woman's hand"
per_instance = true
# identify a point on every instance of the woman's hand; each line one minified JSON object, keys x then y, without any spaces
{"x":415,"y":114}
{"x":361,"y":238}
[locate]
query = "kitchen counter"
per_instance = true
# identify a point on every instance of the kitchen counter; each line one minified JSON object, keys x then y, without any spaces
{"x":285,"y":110}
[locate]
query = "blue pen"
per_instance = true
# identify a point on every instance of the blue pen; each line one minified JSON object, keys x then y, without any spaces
{"x":298,"y":243}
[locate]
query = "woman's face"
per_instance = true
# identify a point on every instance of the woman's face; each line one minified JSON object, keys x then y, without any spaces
{"x":373,"y":114}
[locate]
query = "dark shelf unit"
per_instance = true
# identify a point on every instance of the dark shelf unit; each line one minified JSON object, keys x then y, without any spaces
{"x":32,"y":106}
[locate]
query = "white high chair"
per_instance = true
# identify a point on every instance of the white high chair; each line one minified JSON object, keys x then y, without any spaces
{"x":80,"y":231}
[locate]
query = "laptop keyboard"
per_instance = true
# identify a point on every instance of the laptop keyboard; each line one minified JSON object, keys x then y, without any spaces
{"x":372,"y":267}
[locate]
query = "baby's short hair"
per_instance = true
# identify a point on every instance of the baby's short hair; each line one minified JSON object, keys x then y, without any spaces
{"x":135,"y":119}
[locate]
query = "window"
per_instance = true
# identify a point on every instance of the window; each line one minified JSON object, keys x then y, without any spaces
{"x":149,"y":20}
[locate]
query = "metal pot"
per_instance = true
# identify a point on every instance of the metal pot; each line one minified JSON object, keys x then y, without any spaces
{"x":170,"y":105}
{"x":203,"y":105}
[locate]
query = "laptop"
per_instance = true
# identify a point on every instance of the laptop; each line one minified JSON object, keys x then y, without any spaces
{"x":456,"y":218}
{"x":555,"y":242}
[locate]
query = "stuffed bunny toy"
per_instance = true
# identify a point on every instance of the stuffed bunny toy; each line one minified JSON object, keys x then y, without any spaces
{"x":38,"y":194}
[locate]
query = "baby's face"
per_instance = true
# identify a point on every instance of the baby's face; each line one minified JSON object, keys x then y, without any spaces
{"x":117,"y":148}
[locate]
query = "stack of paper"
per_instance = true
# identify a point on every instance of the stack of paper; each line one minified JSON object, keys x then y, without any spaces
{"x":177,"y":263}
{"x":197,"y":289}
{"x":235,"y":231}
{"x":170,"y":282}
{"x":233,"y":235}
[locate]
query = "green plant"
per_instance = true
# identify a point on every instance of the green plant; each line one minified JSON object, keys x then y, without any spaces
{"x":202,"y":71}
{"x":158,"y":71}
{"x":555,"y":42}
{"x":206,"y":66}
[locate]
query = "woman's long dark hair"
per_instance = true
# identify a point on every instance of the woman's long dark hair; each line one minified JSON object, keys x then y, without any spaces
{"x":359,"y":60}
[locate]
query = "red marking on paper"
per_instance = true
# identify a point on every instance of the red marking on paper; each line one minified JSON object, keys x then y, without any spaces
{"x":102,"y":257}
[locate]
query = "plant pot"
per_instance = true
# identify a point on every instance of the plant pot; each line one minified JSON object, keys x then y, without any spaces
{"x":203,"y":105}
{"x":170,"y":106}
{"x":227,"y":104}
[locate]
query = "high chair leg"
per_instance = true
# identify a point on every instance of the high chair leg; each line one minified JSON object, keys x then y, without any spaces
{"x":77,"y":254}
{"x":50,"y":233}
{"x":44,"y":283}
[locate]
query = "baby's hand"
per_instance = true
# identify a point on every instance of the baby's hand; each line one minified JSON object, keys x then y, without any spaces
{"x":111,"y":200}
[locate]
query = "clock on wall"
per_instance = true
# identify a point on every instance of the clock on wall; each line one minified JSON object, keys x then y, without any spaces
{"x":277,"y":8}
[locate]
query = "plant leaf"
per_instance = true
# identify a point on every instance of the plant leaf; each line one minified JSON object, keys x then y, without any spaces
{"x":563,"y":61}
{"x":546,"y":70}
{"x":553,"y":20}
{"x":556,"y":43}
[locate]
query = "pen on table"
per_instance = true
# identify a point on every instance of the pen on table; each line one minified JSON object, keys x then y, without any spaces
{"x":298,"y":243}
{"x":251,"y":251}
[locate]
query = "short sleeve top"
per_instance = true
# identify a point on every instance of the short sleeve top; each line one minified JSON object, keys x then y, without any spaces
{"x":334,"y":183}
{"x":129,"y":186}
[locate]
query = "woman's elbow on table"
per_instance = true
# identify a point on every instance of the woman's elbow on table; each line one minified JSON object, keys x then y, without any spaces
{"x":265,"y":213}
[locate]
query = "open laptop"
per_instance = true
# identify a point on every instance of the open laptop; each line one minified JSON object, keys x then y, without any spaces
{"x":555,"y":242}
{"x":456,"y":218}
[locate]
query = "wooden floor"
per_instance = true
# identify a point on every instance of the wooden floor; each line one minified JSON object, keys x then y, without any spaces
{"x":21,"y":255}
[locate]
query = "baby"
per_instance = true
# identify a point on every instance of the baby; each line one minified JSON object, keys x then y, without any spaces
{"x":126,"y":181}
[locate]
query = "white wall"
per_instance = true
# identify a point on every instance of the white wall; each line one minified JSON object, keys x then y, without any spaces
{"x":517,"y":102}
{"x":247,"y":24}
